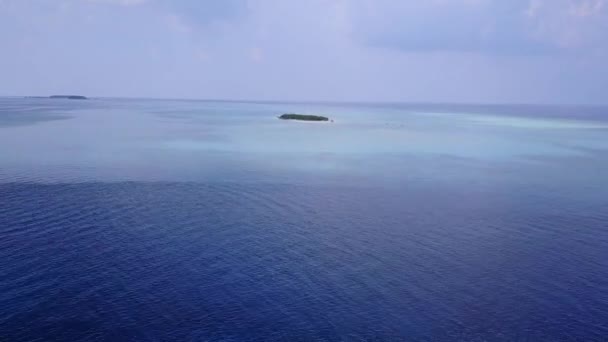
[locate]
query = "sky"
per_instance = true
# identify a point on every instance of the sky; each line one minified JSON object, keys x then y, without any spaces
{"x":471,"y":51}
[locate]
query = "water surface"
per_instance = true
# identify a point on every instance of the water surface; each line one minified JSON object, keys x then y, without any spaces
{"x":199,"y":220}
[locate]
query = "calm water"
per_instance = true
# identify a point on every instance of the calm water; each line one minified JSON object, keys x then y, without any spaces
{"x":154,"y":220}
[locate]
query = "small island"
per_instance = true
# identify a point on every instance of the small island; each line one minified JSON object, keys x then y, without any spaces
{"x":303,"y":117}
{"x":69,"y":97}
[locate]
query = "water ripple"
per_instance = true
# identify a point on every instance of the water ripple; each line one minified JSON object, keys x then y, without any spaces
{"x":173,"y":260}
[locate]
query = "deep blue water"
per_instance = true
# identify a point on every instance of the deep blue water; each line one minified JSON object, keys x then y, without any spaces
{"x":158,"y":220}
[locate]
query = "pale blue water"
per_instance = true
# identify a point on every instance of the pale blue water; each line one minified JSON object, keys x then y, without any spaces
{"x":197,"y":220}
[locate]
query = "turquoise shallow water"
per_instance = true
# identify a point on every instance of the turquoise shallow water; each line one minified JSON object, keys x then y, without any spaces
{"x":200,"y":220}
{"x":171,"y":138}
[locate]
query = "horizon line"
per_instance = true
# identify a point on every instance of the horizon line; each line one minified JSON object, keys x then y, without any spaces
{"x":336,"y":102}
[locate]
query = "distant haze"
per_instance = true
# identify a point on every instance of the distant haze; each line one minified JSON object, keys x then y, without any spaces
{"x":507,"y":51}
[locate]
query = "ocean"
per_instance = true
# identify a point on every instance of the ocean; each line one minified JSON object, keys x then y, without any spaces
{"x":180,"y":220}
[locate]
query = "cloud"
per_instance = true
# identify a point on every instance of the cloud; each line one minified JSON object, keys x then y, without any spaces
{"x":257,"y":54}
{"x":572,"y":25}
{"x":588,"y":8}
{"x":119,"y":2}
{"x":519,"y":27}
{"x":177,"y":24}
{"x":455,"y":50}
{"x":201,"y":12}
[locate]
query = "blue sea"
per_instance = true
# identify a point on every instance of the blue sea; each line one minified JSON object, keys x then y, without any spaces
{"x":178,"y":220}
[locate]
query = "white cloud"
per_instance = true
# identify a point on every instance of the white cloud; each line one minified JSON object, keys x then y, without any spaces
{"x":514,"y":27}
{"x":119,"y":2}
{"x":455,"y":50}
{"x":257,"y":55}
{"x":177,"y":24}
{"x":569,"y":24}
{"x":588,"y":8}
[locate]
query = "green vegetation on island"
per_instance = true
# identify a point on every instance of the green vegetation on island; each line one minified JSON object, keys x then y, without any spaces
{"x":303,"y":117}
{"x":69,"y":97}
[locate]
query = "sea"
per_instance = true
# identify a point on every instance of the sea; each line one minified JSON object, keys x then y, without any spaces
{"x":186,"y":220}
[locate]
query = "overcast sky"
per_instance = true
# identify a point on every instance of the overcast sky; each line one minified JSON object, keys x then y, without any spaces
{"x":526,"y":51}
